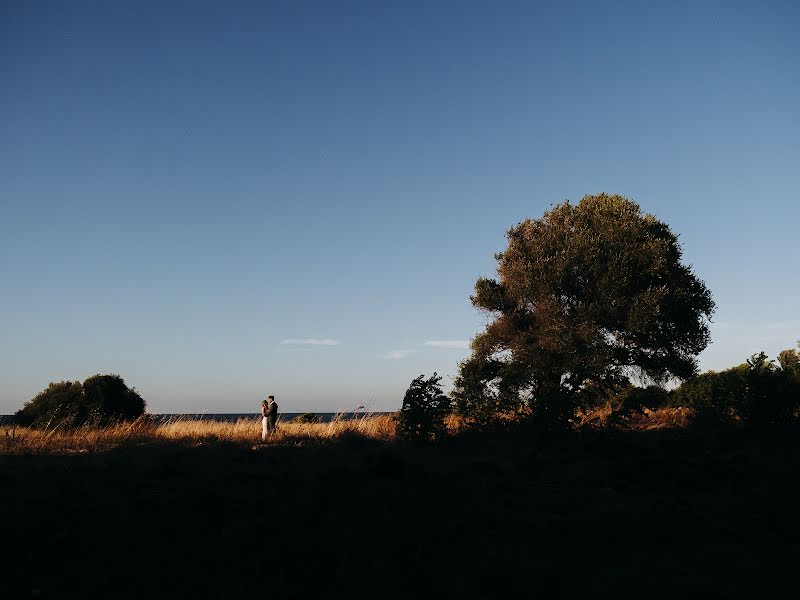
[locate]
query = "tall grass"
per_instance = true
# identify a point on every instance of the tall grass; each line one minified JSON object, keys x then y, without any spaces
{"x":641,"y":420}
{"x":91,"y":438}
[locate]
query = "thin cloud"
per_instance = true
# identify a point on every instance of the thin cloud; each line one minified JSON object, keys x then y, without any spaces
{"x":447,"y":343}
{"x":398,"y":354}
{"x":311,"y":341}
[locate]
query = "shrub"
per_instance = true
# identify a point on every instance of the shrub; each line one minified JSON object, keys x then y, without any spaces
{"x":771,"y":393}
{"x":53,"y":404}
{"x":757,"y":392}
{"x":308,"y":417}
{"x":101,"y":398}
{"x":634,"y":398}
{"x":713,"y":396}
{"x":424,"y":409}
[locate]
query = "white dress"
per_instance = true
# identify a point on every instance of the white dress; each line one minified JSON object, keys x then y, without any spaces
{"x":264,"y":422}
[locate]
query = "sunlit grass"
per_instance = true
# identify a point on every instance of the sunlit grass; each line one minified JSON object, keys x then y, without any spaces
{"x":89,"y":438}
{"x":643,"y":420}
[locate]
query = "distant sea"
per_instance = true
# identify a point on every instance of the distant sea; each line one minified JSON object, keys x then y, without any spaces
{"x":324,"y":417}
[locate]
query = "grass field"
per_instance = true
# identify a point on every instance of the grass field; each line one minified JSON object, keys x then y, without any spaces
{"x":187,"y":432}
{"x":21,"y":440}
{"x":203,"y":509}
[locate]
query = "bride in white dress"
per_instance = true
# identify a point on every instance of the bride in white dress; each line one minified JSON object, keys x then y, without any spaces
{"x":264,"y":420}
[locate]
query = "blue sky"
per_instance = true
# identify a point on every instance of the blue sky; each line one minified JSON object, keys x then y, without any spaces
{"x":224,"y":200}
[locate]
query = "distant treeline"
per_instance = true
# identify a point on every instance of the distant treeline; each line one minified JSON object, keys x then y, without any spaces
{"x":759,"y":391}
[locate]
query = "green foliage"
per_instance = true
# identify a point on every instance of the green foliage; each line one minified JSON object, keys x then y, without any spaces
{"x":101,"y":398}
{"x":712,"y":395}
{"x":789,"y":361}
{"x":586,"y":295}
{"x":108,"y":397}
{"x":53,"y":405}
{"x":424,"y":409}
{"x":481,"y":394}
{"x":757,"y":391}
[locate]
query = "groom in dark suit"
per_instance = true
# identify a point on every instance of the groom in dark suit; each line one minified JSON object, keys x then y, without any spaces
{"x":272,"y":415}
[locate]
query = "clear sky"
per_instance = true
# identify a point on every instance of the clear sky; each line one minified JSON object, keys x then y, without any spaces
{"x":192,"y":193}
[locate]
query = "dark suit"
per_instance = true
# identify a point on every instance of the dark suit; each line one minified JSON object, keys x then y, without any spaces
{"x":272,"y":416}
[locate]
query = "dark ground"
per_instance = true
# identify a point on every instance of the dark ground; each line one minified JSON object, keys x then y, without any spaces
{"x":594,"y":514}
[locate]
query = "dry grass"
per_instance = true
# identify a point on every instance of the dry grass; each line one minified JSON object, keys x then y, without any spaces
{"x":23,"y":440}
{"x":644,"y":420}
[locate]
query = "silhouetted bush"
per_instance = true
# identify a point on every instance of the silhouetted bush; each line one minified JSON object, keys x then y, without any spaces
{"x":53,"y":404}
{"x":772,"y":393}
{"x":713,"y":396}
{"x":424,"y":409}
{"x":757,"y":391}
{"x":634,"y":399}
{"x":308,"y":417}
{"x":101,"y":399}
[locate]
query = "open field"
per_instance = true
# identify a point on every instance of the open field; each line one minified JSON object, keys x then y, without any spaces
{"x":187,"y":432}
{"x":202,"y":510}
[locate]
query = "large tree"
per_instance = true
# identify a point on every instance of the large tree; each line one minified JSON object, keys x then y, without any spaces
{"x":586,"y":296}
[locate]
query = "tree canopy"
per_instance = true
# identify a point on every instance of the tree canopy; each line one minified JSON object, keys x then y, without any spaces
{"x":586,"y":296}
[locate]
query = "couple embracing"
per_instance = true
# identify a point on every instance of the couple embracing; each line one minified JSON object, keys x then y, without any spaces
{"x":269,"y":416}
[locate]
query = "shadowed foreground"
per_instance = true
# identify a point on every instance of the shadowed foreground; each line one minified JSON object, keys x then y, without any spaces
{"x":642,"y":513}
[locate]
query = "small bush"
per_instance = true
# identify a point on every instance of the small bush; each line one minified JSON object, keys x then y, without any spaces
{"x":424,"y":409}
{"x":307,"y":418}
{"x":100,"y":399}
